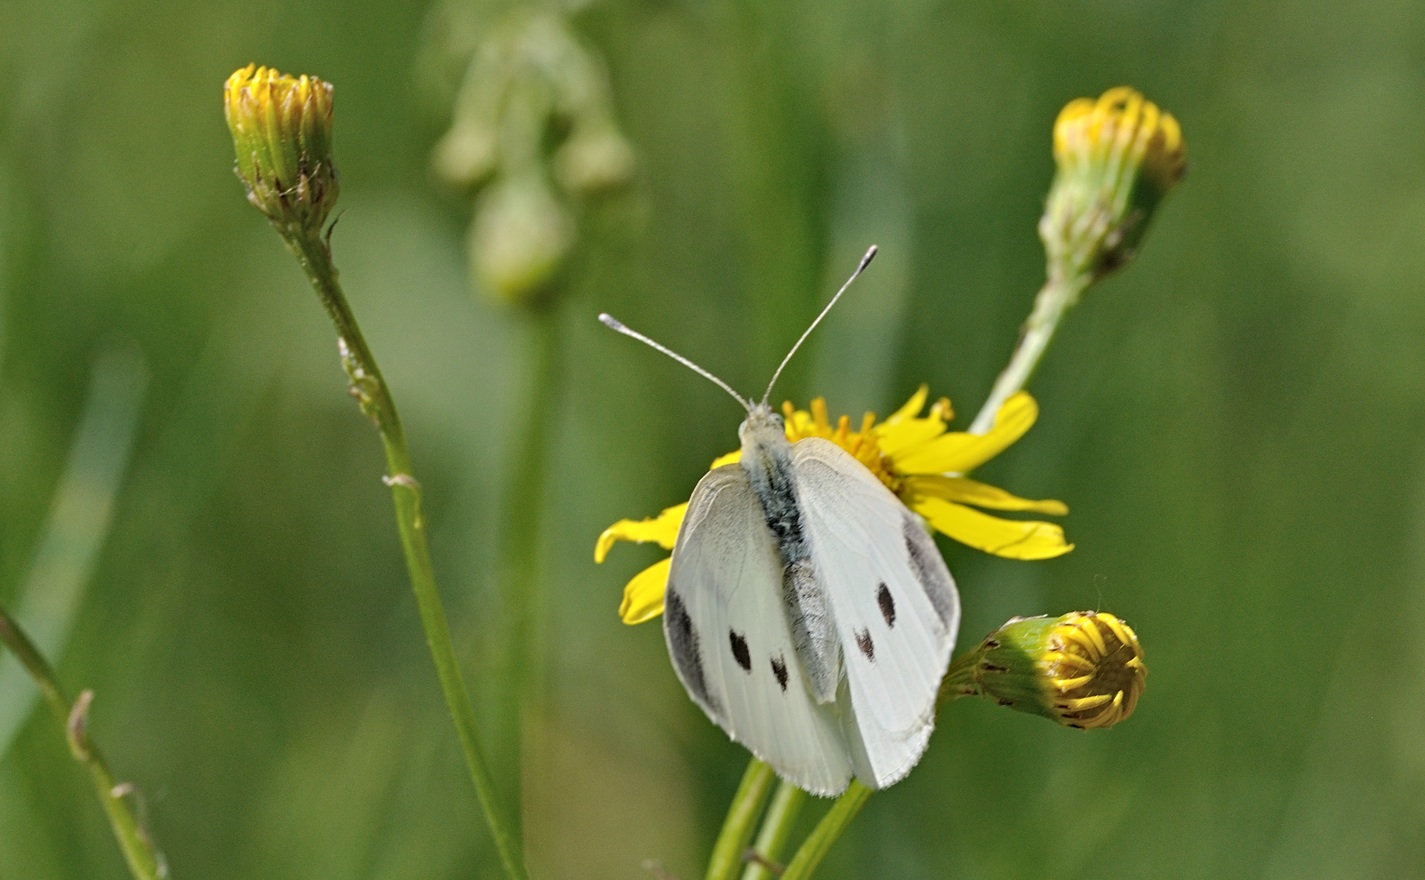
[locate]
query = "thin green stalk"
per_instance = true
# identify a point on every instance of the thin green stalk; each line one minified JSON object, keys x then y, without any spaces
{"x":746,"y":806}
{"x":777,"y":826}
{"x":1058,"y":295}
{"x":827,"y":832}
{"x":370,"y":391}
{"x":144,"y":860}
{"x":522,"y":598}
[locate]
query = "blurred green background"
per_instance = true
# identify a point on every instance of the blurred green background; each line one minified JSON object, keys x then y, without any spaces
{"x":1234,"y":422}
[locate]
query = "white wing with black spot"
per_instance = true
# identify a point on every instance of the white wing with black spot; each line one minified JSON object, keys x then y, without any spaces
{"x":892,"y":601}
{"x":731,"y":645}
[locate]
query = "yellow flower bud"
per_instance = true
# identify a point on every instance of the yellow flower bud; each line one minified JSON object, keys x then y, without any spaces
{"x":1116,"y":158}
{"x":282,"y":133}
{"x":1083,"y":669}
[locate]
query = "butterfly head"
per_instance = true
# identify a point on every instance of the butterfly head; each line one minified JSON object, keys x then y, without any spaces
{"x":761,"y":428}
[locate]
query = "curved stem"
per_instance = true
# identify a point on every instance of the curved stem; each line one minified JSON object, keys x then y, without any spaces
{"x":746,"y":806}
{"x":144,"y":860}
{"x":777,"y":826}
{"x":1058,"y":295}
{"x":374,"y":398}
{"x":827,"y":832}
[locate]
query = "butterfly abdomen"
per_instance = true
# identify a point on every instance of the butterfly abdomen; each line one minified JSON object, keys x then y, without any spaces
{"x":766,"y":457}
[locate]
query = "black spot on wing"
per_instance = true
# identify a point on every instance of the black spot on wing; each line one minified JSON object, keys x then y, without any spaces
{"x":739,"y":650}
{"x":683,"y":644}
{"x":888,"y":605}
{"x":779,"y":669}
{"x":863,"y":641}
{"x":929,"y":568}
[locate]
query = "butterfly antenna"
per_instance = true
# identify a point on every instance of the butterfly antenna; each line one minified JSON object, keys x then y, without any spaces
{"x":861,"y":267}
{"x":613,"y":323}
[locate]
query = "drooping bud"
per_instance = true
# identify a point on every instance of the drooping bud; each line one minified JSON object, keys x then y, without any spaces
{"x":282,"y":133}
{"x":1084,"y":669}
{"x":596,"y":158}
{"x":521,"y":235}
{"x":1116,"y":158}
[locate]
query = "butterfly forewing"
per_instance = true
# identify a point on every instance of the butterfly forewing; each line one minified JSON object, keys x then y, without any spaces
{"x":892,"y":600}
{"x":731,"y":645}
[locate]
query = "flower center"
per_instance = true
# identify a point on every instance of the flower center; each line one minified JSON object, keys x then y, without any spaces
{"x":1096,"y":666}
{"x":861,"y":443}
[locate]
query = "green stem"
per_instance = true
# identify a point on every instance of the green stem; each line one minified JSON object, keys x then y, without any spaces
{"x":370,"y":391}
{"x":144,"y":860}
{"x":1058,"y":295}
{"x":777,"y":826}
{"x":520,"y":653}
{"x":746,"y":806}
{"x":827,"y":832}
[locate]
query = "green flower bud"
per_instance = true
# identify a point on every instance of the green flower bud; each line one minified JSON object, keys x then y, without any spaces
{"x":1083,"y":669}
{"x":521,"y":235}
{"x":1117,"y":157}
{"x":596,"y":158}
{"x":282,"y":133}
{"x":467,"y":155}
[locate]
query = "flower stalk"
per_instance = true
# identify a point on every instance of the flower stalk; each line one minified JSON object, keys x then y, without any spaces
{"x":256,"y":102}
{"x":777,"y":827}
{"x":144,"y":859}
{"x":742,"y":814}
{"x":829,"y":830}
{"x":1059,"y":294}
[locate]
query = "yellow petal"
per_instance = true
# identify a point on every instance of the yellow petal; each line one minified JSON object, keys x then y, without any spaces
{"x":958,"y":452}
{"x":643,"y":597}
{"x":1010,"y":538}
{"x":912,"y":407}
{"x":906,"y":428}
{"x":967,"y":491}
{"x":730,"y":458}
{"x":908,"y":437}
{"x":662,"y":528}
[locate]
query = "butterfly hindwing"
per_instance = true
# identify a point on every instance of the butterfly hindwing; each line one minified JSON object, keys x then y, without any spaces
{"x":893,"y":604}
{"x":731,"y":645}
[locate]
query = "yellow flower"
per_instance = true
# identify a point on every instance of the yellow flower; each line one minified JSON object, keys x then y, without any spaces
{"x":282,"y":133}
{"x":1117,"y":156}
{"x":917,"y":458}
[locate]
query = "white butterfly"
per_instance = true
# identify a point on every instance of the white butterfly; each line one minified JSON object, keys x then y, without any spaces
{"x":808,"y":610}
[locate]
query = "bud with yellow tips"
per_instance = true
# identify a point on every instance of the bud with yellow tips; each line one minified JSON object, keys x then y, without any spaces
{"x":282,"y":133}
{"x":1084,"y":669}
{"x":1116,"y":157}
